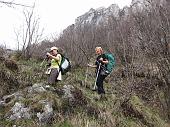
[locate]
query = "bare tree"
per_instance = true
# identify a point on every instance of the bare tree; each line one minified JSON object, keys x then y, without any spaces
{"x":31,"y":33}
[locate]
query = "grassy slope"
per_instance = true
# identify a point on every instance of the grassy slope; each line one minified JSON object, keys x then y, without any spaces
{"x":108,"y":113}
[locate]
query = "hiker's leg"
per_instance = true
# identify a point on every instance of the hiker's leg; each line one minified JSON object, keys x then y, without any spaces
{"x":53,"y":75}
{"x":102,"y":79}
{"x":99,"y":84}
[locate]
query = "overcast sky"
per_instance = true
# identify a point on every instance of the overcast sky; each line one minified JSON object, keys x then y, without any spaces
{"x":55,"y":15}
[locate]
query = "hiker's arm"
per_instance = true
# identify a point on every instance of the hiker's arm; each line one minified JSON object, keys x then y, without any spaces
{"x":93,"y":66}
{"x":104,"y":61}
{"x":57,"y":58}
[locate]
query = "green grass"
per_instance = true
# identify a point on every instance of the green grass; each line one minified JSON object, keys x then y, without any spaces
{"x":110,"y":112}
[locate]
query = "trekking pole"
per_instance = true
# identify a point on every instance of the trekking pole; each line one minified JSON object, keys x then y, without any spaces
{"x":85,"y":81}
{"x":42,"y":62}
{"x":94,"y":88}
{"x":41,"y":65}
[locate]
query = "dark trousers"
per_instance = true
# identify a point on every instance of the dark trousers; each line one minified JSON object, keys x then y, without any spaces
{"x":99,"y":83}
{"x":53,"y":76}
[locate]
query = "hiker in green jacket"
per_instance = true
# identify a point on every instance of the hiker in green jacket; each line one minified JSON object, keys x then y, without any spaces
{"x":100,"y":66}
{"x":55,"y":59}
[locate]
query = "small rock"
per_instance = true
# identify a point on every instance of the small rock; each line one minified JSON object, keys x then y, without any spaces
{"x":19,"y":111}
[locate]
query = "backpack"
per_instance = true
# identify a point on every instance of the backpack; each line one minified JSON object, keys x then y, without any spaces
{"x":65,"y":65}
{"x":112,"y":62}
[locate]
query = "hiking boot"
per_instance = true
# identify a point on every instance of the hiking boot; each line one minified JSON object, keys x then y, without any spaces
{"x":97,"y":98}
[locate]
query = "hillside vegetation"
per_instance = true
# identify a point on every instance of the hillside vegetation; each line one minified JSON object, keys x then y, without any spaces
{"x":137,"y":91}
{"x":27,"y":100}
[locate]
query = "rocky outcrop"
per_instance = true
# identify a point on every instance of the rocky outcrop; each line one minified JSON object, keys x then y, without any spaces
{"x":18,"y":111}
{"x":99,"y":15}
{"x":41,"y":100}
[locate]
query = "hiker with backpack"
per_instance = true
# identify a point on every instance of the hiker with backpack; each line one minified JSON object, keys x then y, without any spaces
{"x":104,"y":65}
{"x":55,"y":61}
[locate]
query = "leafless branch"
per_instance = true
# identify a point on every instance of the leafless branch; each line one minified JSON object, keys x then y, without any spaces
{"x":10,"y":4}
